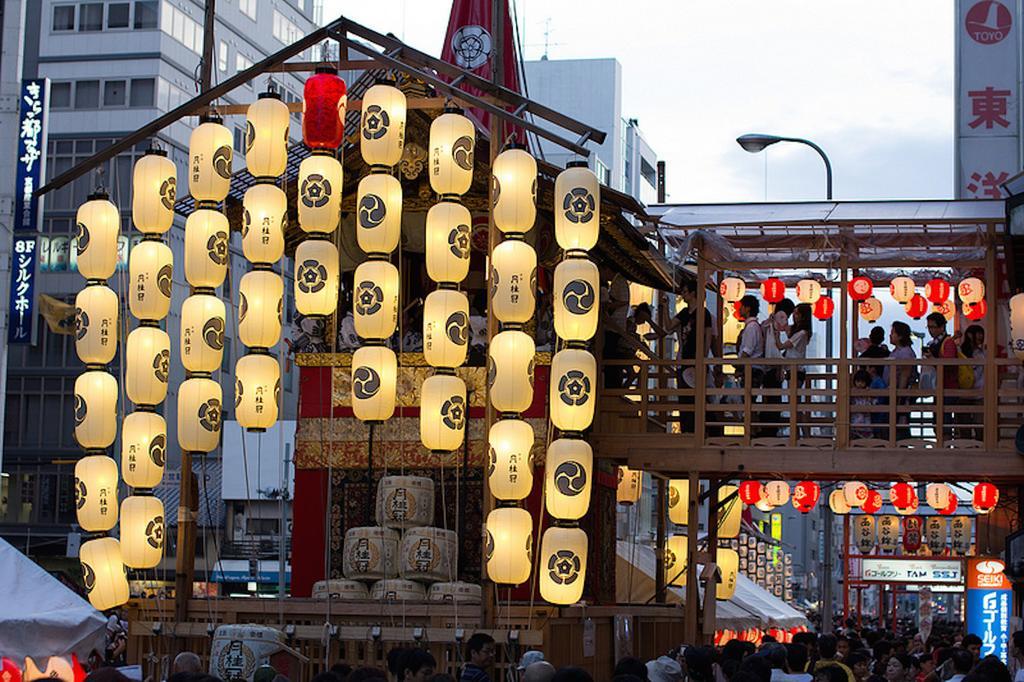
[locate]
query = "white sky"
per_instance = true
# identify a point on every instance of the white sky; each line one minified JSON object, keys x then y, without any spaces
{"x":869,"y":81}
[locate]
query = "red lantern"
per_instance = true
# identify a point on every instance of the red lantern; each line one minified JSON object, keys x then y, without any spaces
{"x":916,"y":307}
{"x":873,"y":503}
{"x":773,"y":290}
{"x":950,"y":508}
{"x":937,"y":290}
{"x":902,"y":495}
{"x":860,"y":288}
{"x":824,"y":307}
{"x":805,"y":496}
{"x":751,"y":492}
{"x":986,"y":497}
{"x":912,"y":534}
{"x":736,"y":311}
{"x":9,"y":671}
{"x":323,"y":115}
{"x":975,"y":311}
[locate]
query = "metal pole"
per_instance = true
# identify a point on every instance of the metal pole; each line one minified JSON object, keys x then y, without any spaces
{"x":826,"y":585}
{"x":824,"y":157}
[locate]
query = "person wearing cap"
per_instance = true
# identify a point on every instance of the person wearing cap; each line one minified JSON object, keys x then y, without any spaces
{"x":664,"y":669}
{"x":538,"y":671}
{"x":530,"y":657}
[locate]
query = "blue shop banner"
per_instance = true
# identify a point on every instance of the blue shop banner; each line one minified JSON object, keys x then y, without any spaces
{"x":989,"y":607}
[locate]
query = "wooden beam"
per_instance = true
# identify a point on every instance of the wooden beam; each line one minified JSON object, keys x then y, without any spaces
{"x":341,"y":65}
{"x":692,"y":606}
{"x":352,"y":105}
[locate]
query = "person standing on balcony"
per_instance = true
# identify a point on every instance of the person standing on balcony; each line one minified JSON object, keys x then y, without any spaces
{"x":973,"y":347}
{"x":772,"y":330}
{"x":751,"y":346}
{"x":943,"y":347}
{"x":905,"y":377}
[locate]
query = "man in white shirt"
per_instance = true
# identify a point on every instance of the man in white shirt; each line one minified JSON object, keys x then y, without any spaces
{"x":773,"y":374}
{"x":752,"y":337}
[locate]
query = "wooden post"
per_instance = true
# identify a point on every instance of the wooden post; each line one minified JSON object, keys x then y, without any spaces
{"x":691,"y":630}
{"x":700,"y":368}
{"x":990,"y":400}
{"x":842,"y":424}
{"x":659,"y":543}
{"x":846,"y":566}
{"x":708,"y":615}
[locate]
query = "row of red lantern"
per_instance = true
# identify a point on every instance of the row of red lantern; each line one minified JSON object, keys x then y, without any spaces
{"x":855,"y":494}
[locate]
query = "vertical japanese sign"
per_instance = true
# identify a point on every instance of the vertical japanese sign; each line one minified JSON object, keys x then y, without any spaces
{"x":28,"y":209}
{"x":988,"y":605}
{"x":987,"y":97}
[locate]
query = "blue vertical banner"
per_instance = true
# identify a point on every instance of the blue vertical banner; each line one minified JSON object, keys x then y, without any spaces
{"x":989,"y":594}
{"x":28,"y":209}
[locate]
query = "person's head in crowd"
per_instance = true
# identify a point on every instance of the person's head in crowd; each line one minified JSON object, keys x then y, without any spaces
{"x":962,"y":660}
{"x":186,"y":662}
{"x":993,"y":668}
{"x":664,"y":669}
{"x":827,"y":647}
{"x":802,"y":318}
{"x":733,"y":650}
{"x":342,"y":670}
{"x":688,"y":292}
{"x":899,"y":668}
{"x":972,"y":643}
{"x":368,"y":674}
{"x":859,"y":662}
{"x":394,"y":661}
{"x":899,"y":335}
{"x":699,"y":663}
{"x":642,"y":313}
{"x":843,"y":642}
{"x":785,"y":306}
{"x":416,"y":665}
{"x":776,"y":656}
{"x":572,"y":674}
{"x":538,"y":671}
{"x":936,"y":325}
{"x":974,"y":339}
{"x":830,"y":673}
{"x":749,"y":307}
{"x":759,"y":666}
{"x":264,"y":673}
{"x":877,"y":336}
{"x":900,"y":646}
{"x":796,"y":657}
{"x":809,"y":641}
{"x":480,"y":650}
{"x":326,"y":676}
{"x":630,"y":665}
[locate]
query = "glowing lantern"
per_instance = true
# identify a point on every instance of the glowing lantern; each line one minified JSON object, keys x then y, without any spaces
{"x":142,"y":531}
{"x":870,"y":309}
{"x":837,"y":502}
{"x":728,"y":561}
{"x":260,"y":301}
{"x":902,"y":289}
{"x":751,"y":492}
{"x":96,"y":332}
{"x":562,"y":565}
{"x":202,"y":333}
{"x":936,"y":533}
{"x":154,"y":191}
{"x":855,"y":493}
{"x":95,"y":410}
{"x":678,"y":501}
{"x":210,"y":155}
{"x":732,"y":289}
{"x":510,"y":371}
{"x":805,"y":496}
{"x":148,"y":363}
{"x":730,"y":512}
{"x":873,"y":504}
{"x":508,"y":545}
{"x":264,"y":217}
{"x":864,"y":533}
{"x":1017,"y":326}
{"x":99,"y":224}
{"x":443,"y":412}
{"x":763,"y":505}
{"x":630,"y":485}
{"x":860,"y":288}
{"x":103,"y":573}
{"x":514,"y":188}
{"x":323,"y":109}
{"x":675,"y":560}
{"x":975,"y":311}
{"x":452,"y":142}
{"x":382,"y":130}
{"x":971,"y":290}
{"x":916,"y":307}
{"x":824,"y":308}
{"x":448,"y":242}
{"x":375,"y":299}
{"x":266,"y":136}
{"x":150,"y":275}
{"x":577,"y":207}
{"x":513,"y":281}
{"x":573,"y":389}
{"x":773,"y":290}
{"x":888,"y":531}
{"x":960,"y":534}
{"x":199,"y":414}
{"x":951,"y":507}
{"x":510,"y":470}
{"x":317,"y":274}
{"x":96,"y":493}
{"x":911,"y":509}
{"x":257,"y":391}
{"x":776,"y":493}
{"x":937,"y":495}
{"x":985,"y":498}
{"x":379,"y":213}
{"x":937,"y":290}
{"x":445,"y":328}
{"x":808,"y":290}
{"x":143,"y":449}
{"x":912,"y":534}
{"x":374,"y":382}
{"x":569,"y":472}
{"x":946,"y":308}
{"x":902,"y":495}
{"x":319,"y":193}
{"x":576,"y":290}
{"x":206,"y":248}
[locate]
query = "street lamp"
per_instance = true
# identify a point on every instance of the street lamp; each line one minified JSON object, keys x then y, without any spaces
{"x":756,"y":142}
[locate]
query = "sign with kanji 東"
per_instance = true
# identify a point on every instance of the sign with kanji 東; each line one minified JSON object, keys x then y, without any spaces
{"x":988,"y":605}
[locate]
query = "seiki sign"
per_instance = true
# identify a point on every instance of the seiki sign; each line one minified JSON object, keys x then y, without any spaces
{"x":988,"y":605}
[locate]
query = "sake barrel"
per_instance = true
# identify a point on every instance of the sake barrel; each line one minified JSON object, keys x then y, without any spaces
{"x":237,"y":650}
{"x":456,"y":592}
{"x":428,"y":555}
{"x":342,"y":590}
{"x":405,"y":501}
{"x":369,"y":553}
{"x":397,"y":590}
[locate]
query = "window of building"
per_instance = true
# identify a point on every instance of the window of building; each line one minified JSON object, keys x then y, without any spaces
{"x":60,"y":95}
{"x":143,"y":92}
{"x":90,"y":16}
{"x":284,"y":30}
{"x":145,"y":13}
{"x":239,"y":143}
{"x":248,"y":8}
{"x":222,"y":56}
{"x":114,"y":93}
{"x":242,"y":62}
{"x":182,"y":27}
{"x":63,"y":17}
{"x":87,"y":94}
{"x":118,"y":14}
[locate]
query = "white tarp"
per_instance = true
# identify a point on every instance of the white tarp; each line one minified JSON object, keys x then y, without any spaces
{"x":40,"y":616}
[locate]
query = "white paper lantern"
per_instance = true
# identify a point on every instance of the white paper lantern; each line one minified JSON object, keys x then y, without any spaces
{"x":902,"y":289}
{"x":317,"y":274}
{"x":452,"y":143}
{"x":95,"y":410}
{"x":378,"y":213}
{"x":573,"y":393}
{"x":319,"y":193}
{"x":1017,"y":326}
{"x":103,"y":573}
{"x":971,"y":290}
{"x":200,"y":404}
{"x":202,"y":333}
{"x":510,"y":466}
{"x":678,"y":501}
{"x":508,"y":545}
{"x":443,"y":412}
{"x":142,"y":531}
{"x":576,"y":290}
{"x":375,"y":299}
{"x":675,"y":560}
{"x":143,"y":449}
{"x":210,"y":156}
{"x":732,"y":289}
{"x":763,"y":505}
{"x":936,"y":533}
{"x":206,"y":248}
{"x":150,"y":276}
{"x":630,"y":485}
{"x":569,"y":470}
{"x":382,"y":129}
{"x":445,"y":328}
{"x":510,"y":371}
{"x":266,"y":136}
{"x":870,"y":309}
{"x":728,"y":561}
{"x":577,"y":207}
{"x":776,"y":493}
{"x":147,"y":365}
{"x":448,"y":242}
{"x":264,"y":220}
{"x":808,"y":290}
{"x":96,"y":309}
{"x":937,"y":495}
{"x":837,"y":502}
{"x":99,"y":225}
{"x":855,"y":493}
{"x":154,"y":191}
{"x":96,"y":493}
{"x":513,"y":281}
{"x":374,"y":379}
{"x":257,"y":391}
{"x":562,"y":565}
{"x":514,"y":188}
{"x":260,"y":306}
